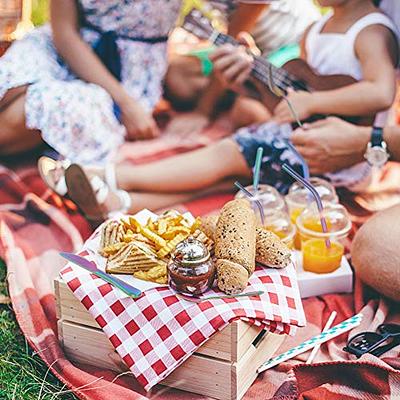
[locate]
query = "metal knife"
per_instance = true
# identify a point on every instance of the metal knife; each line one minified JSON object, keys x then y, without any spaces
{"x":129,"y":290}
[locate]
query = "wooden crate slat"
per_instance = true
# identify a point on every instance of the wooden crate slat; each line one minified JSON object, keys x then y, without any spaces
{"x":198,"y":374}
{"x":229,"y":344}
{"x":245,"y":370}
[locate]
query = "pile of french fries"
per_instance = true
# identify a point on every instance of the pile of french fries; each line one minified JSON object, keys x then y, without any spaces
{"x":144,"y":250}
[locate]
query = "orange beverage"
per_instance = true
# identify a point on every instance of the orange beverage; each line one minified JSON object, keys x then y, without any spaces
{"x":294,"y":214}
{"x":318,"y":258}
{"x":279,"y":223}
{"x":298,"y":198}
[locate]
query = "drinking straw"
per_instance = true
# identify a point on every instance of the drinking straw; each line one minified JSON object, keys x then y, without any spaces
{"x":252,"y":198}
{"x":323,"y":337}
{"x":293,"y":112}
{"x":314,"y":192}
{"x":328,"y":325}
{"x":303,"y":162}
{"x":257,"y":168}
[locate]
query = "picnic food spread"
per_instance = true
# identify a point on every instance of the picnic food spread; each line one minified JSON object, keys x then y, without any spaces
{"x":172,"y":249}
{"x":147,"y":330}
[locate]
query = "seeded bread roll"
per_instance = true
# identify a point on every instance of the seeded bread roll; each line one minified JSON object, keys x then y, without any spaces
{"x":270,"y":250}
{"x":232,"y":277}
{"x":209,"y":225}
{"x":236,"y":234}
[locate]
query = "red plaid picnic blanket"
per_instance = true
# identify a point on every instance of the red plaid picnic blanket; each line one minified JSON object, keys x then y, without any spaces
{"x":141,"y":330}
{"x":33,"y":231}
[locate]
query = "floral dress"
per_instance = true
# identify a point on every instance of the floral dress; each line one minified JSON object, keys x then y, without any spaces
{"x":77,"y":118}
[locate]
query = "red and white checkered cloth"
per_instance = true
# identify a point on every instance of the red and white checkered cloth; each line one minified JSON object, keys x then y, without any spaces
{"x":157,"y":332}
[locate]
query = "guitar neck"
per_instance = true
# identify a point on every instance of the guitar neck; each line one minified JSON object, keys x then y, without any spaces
{"x":270,"y":76}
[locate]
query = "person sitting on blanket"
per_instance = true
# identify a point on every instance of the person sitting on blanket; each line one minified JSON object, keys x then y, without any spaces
{"x":163,"y":183}
{"x":333,"y":144}
{"x":88,"y":80}
{"x":190,"y":84}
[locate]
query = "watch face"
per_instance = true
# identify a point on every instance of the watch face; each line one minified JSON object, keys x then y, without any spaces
{"x":377,"y":156}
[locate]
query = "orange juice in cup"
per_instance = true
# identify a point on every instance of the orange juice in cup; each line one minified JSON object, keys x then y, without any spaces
{"x":279,"y":223}
{"x":299,"y":197}
{"x":318,"y":256}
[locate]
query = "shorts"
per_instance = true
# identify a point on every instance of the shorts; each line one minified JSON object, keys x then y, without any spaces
{"x":273,"y":139}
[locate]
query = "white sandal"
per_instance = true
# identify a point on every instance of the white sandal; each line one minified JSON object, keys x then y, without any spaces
{"x":48,"y":168}
{"x":90,"y":194}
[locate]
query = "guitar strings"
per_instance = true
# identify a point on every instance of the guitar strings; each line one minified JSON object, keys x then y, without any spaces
{"x":262,"y":66}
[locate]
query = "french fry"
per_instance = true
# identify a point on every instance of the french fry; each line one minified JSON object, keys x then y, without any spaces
{"x":174,"y":231}
{"x":162,"y":226}
{"x":196,"y":225}
{"x":157,"y":240}
{"x":165,"y":250}
{"x":135,"y":225}
{"x":126,"y":225}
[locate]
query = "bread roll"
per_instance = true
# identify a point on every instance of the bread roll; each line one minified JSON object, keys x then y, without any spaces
{"x":232,"y":277}
{"x":270,"y":250}
{"x":209,"y":225}
{"x":236,"y":234}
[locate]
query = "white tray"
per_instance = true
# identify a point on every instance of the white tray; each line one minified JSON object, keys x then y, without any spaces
{"x":312,"y":284}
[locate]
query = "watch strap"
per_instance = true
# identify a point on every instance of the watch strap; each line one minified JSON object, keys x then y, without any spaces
{"x":376,"y":136}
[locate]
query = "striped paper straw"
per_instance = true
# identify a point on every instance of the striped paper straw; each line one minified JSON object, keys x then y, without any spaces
{"x":328,"y":325}
{"x":323,"y":337}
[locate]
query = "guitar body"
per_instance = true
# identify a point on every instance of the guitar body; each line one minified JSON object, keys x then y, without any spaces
{"x":306,"y":75}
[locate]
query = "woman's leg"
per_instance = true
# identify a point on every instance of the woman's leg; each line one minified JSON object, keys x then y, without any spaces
{"x":157,"y":201}
{"x":186,"y":172}
{"x":14,"y":136}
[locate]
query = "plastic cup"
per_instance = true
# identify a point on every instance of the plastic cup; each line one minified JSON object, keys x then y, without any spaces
{"x":298,"y":198}
{"x":317,"y":257}
{"x":279,"y":223}
{"x":320,"y":259}
{"x":270,"y":199}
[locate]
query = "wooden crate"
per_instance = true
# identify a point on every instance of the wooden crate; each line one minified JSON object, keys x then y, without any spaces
{"x":224,"y":367}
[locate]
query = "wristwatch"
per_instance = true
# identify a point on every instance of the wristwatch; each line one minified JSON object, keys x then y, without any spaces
{"x":377,"y":154}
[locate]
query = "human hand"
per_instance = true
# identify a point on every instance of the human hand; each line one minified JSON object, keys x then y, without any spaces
{"x":331,"y":144}
{"x":187,"y":124}
{"x":139,"y":124}
{"x":302,"y":104}
{"x":234,"y":64}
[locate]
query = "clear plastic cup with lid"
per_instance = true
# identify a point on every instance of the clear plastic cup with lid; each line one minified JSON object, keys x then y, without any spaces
{"x":279,"y":223}
{"x":318,"y":255}
{"x":270,"y":199}
{"x":299,"y":197}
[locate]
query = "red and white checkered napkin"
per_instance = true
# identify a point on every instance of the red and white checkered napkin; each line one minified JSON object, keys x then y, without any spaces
{"x":157,"y":332}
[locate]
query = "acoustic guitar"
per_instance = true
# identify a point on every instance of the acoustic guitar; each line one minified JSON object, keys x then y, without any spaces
{"x":295,"y":74}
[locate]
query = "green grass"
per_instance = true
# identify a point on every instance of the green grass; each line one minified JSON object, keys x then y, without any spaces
{"x":23,"y":375}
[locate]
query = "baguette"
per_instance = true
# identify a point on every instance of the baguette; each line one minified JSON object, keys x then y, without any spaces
{"x":235,"y":246}
{"x":232,"y":277}
{"x":270,"y":250}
